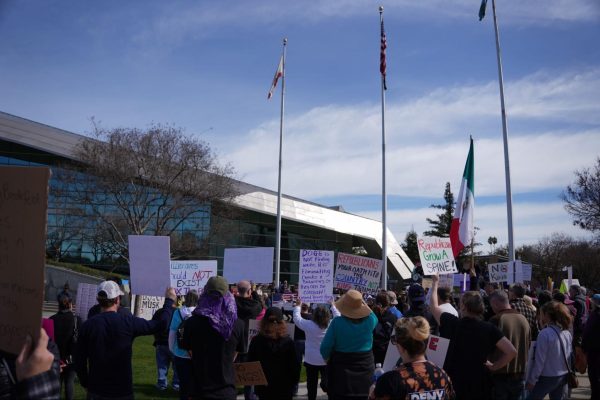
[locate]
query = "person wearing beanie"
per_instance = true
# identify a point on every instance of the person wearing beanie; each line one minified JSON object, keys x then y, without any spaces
{"x":419,"y":307}
{"x":276,"y":352}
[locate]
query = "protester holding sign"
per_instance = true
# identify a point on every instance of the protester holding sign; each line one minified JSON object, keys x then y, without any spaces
{"x":471,"y":341}
{"x":104,"y":348}
{"x":416,"y":378}
{"x":315,"y":330}
{"x":276,"y":352}
{"x":347,"y":347}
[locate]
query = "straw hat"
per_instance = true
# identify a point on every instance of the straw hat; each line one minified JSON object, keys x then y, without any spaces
{"x":352,"y":305}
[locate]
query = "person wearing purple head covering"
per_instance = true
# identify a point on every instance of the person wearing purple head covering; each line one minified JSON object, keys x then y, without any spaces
{"x":213,"y":335}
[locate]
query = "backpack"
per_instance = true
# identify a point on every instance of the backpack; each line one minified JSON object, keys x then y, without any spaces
{"x":73,"y":342}
{"x":179,"y":332}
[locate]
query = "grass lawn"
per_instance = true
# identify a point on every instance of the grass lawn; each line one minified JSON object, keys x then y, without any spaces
{"x":144,"y":373}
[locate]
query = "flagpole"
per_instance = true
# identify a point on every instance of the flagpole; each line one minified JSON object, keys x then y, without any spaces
{"x":278,"y":233}
{"x":383,"y":189}
{"x":509,"y":213}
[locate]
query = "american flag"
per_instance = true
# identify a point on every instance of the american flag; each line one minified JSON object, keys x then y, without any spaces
{"x":382,"y":64}
{"x":278,"y":74}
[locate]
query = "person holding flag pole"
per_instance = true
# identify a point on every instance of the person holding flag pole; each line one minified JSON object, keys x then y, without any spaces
{"x":509,"y":214}
{"x":279,"y":73}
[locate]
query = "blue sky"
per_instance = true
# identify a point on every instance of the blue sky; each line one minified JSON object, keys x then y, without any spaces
{"x":207,"y":66}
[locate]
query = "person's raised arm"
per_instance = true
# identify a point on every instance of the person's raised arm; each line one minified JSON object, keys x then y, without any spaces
{"x":436,"y":311}
{"x":300,"y":322}
{"x":508,"y":353}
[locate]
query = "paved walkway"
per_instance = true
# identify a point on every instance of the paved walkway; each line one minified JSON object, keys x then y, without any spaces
{"x":582,"y":392}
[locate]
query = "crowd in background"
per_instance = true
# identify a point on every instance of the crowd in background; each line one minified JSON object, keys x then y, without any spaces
{"x":504,"y":343}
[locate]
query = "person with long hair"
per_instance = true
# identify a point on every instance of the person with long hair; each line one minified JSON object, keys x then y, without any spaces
{"x":314,"y":330}
{"x":182,"y":362}
{"x":591,"y":346}
{"x":276,"y":352}
{"x":66,"y":331}
{"x":416,"y":377}
{"x":548,"y":369}
{"x":347,"y":347}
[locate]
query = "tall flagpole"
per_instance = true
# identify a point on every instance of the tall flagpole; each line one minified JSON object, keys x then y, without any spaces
{"x":278,"y":234}
{"x":383,"y":191}
{"x":509,"y":213}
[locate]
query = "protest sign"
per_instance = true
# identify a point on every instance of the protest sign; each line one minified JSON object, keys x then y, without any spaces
{"x":564,"y":286}
{"x":526,"y":271}
{"x":500,"y":272}
{"x":447,"y":280}
{"x":253,"y":264}
{"x":23,"y":210}
{"x":356,"y":272}
{"x":316,"y":276}
{"x":191,"y":275}
{"x":437,"y":348}
{"x":148,"y":306}
{"x":86,"y":299}
{"x":392,"y":355}
{"x":249,"y":374}
{"x":436,"y":255}
{"x":149,"y":264}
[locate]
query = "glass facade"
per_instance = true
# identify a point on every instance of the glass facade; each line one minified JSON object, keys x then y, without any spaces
{"x":75,"y":235}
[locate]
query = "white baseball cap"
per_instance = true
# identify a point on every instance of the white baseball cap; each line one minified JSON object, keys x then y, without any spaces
{"x":109,"y":290}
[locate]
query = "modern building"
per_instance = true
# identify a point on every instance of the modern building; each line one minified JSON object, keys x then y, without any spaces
{"x":305,"y":225}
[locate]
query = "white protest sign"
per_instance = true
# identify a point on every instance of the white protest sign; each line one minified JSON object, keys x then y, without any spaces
{"x":252,"y":264}
{"x":148,"y":306}
{"x":437,"y":348}
{"x":356,"y":272}
{"x":149,"y":264}
{"x":316,"y":276}
{"x":86,"y":299}
{"x":500,"y":272}
{"x":191,"y":275}
{"x":436,"y":255}
{"x":392,"y":355}
{"x":526,"y":270}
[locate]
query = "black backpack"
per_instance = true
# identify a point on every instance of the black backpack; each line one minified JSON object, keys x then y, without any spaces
{"x":179,"y":332}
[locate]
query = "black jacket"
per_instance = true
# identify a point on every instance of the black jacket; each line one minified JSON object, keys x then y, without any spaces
{"x":64,"y":329}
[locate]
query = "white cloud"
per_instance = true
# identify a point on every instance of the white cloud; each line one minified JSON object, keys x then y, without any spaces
{"x":336,"y":150}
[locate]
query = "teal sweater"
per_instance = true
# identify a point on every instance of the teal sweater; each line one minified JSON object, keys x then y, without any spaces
{"x":346,"y":336}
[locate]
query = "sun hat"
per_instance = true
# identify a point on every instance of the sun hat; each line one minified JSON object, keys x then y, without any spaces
{"x":352,"y":305}
{"x":393,"y":298}
{"x":109,"y":290}
{"x":416,"y":293}
{"x":217,"y":284}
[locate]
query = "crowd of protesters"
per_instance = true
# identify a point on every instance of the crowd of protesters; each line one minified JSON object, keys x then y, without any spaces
{"x":504,"y":343}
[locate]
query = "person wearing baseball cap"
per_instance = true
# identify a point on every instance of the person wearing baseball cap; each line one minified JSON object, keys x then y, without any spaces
{"x":96,"y":309}
{"x":347,"y":346}
{"x":104,"y":345}
{"x":419,"y":308}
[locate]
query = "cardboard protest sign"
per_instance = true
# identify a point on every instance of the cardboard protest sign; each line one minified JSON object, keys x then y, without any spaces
{"x":356,"y":272}
{"x":500,"y":272}
{"x":249,"y":374}
{"x":23,"y":210}
{"x":392,"y":355}
{"x":191,"y":275}
{"x":436,"y":255}
{"x":86,"y":299}
{"x":252,"y":264}
{"x":149,"y":264}
{"x":316,"y":276}
{"x":148,"y":306}
{"x":437,"y":348}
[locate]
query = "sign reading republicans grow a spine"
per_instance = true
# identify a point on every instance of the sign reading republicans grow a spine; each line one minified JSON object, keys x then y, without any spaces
{"x":356,"y":272}
{"x":188,"y":275}
{"x":316,"y":276}
{"x":436,"y":255}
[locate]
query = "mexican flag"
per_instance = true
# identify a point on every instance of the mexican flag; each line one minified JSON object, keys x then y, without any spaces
{"x":461,"y":230}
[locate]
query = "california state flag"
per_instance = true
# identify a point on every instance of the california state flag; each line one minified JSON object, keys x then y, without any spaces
{"x":461,"y":230}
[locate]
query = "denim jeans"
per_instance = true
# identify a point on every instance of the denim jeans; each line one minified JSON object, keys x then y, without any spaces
{"x":508,"y":387}
{"x":163,"y":359}
{"x":555,"y":386}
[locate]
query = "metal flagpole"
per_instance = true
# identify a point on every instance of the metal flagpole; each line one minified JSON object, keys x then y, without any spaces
{"x":383,"y":191}
{"x":278,"y":234}
{"x":509,"y":214}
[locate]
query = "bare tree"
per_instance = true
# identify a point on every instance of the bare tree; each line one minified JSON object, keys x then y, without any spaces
{"x":582,"y":198}
{"x":154,"y":181}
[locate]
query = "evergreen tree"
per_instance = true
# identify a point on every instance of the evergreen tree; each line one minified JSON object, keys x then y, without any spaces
{"x":441,"y":226}
{"x":410,"y":246}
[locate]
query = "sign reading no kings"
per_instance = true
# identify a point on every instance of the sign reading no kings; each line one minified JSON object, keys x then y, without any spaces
{"x":436,"y":255}
{"x":360,"y":273}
